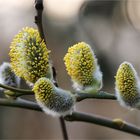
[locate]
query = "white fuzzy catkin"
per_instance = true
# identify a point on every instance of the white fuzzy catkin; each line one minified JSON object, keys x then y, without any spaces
{"x":53,"y":100}
{"x":7,"y":76}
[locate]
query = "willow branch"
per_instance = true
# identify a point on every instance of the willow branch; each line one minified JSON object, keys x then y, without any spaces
{"x":99,"y":95}
{"x":38,"y":21}
{"x":38,"y":18}
{"x":20,"y":103}
{"x":77,"y":116}
{"x":61,"y":119}
{"x":79,"y":96}
{"x":123,"y":126}
{"x":21,"y":91}
{"x":63,"y":127}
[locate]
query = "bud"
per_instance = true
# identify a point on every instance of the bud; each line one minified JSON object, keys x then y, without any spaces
{"x":7,"y":76}
{"x":119,"y":122}
{"x":29,"y":55}
{"x":127,"y":86}
{"x":81,"y":65}
{"x":53,"y":100}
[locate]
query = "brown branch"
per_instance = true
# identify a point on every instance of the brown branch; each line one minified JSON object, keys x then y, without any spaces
{"x":77,"y":116}
{"x":79,"y":96}
{"x":99,"y":95}
{"x":38,"y":18}
{"x":122,"y":126}
{"x":38,"y":21}
{"x":20,"y":91}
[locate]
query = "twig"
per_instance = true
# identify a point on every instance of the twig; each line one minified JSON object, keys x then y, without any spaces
{"x":62,"y":121}
{"x":79,"y":96}
{"x":99,"y":95}
{"x":38,"y":21}
{"x":21,"y":103}
{"x":77,"y":116}
{"x":20,"y":91}
{"x":63,"y":127}
{"x":123,"y":126}
{"x":38,"y":18}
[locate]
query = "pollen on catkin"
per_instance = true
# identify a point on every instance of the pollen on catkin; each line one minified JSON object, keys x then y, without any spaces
{"x":81,"y":65}
{"x":53,"y":100}
{"x":29,"y":55}
{"x":127,"y":85}
{"x":7,"y":76}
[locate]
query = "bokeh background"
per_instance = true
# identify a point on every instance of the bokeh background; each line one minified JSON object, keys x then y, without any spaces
{"x":112,"y":28}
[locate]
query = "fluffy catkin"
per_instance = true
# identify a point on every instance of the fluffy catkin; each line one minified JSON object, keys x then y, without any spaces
{"x":127,"y":85}
{"x":29,"y":55}
{"x":53,"y":100}
{"x":81,"y":65}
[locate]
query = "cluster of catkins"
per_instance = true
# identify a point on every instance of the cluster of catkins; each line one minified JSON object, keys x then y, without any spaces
{"x":30,"y":61}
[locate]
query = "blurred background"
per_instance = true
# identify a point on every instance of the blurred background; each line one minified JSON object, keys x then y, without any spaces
{"x":111,"y":27}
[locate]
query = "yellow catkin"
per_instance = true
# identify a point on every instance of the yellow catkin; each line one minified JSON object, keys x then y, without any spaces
{"x":126,"y":84}
{"x":80,"y":63}
{"x":29,"y":55}
{"x":44,"y":90}
{"x":54,"y":101}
